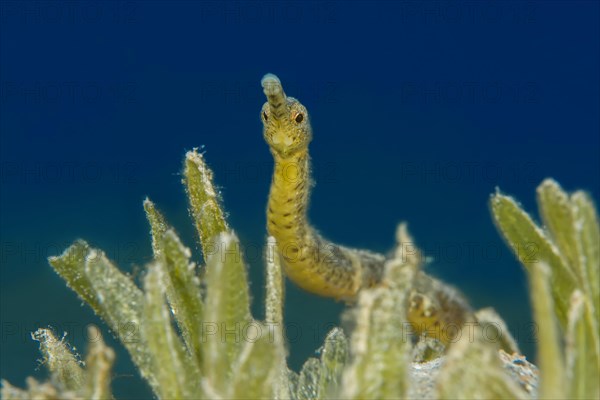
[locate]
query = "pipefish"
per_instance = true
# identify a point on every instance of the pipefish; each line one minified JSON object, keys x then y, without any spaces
{"x":314,"y":263}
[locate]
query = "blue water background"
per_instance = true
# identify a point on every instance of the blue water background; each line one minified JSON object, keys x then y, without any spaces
{"x":420,"y":111}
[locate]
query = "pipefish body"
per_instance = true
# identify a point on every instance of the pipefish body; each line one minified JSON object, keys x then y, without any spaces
{"x":312,"y":262}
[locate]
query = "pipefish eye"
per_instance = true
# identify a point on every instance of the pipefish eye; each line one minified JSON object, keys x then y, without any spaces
{"x":265,"y":116}
{"x":299,"y":118}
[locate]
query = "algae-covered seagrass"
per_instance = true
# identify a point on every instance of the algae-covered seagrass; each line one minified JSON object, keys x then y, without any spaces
{"x":393,"y":349}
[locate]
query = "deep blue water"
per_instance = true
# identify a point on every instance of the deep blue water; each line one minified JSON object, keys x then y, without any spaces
{"x":419,"y":110}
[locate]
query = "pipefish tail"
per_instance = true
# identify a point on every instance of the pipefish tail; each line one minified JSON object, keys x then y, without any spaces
{"x":311,"y":261}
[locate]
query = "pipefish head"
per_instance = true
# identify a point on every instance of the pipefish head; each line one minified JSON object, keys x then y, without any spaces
{"x":286,"y":125}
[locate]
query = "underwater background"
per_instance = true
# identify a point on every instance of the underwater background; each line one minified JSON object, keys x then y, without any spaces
{"x":420,"y":110}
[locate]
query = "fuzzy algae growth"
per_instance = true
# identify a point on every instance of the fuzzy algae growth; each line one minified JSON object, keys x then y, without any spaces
{"x":380,"y":356}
